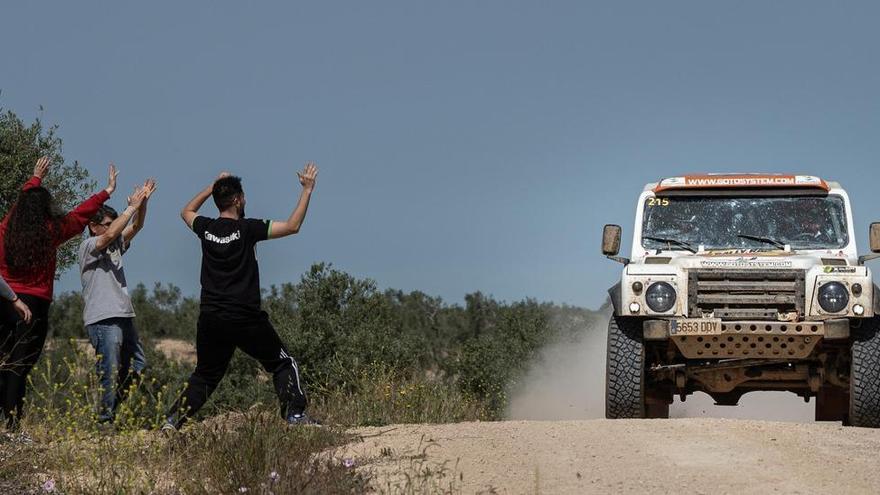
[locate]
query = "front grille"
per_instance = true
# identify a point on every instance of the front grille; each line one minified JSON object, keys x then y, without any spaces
{"x":745,"y":294}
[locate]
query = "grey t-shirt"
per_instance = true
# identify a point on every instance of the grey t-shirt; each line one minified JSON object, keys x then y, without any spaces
{"x":105,"y":292}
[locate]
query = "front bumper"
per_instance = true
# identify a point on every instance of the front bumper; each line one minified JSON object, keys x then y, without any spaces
{"x":752,"y":339}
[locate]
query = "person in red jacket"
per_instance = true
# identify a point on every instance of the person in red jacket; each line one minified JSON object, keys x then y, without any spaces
{"x":30,"y":235}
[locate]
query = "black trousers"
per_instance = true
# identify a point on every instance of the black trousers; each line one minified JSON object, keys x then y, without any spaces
{"x":20,"y":348}
{"x":216,"y":341}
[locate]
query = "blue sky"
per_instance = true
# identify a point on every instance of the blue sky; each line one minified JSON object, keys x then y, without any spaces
{"x":463,"y":145}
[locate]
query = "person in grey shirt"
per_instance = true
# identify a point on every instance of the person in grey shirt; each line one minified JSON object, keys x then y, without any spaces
{"x":20,"y":307}
{"x":108,"y":313}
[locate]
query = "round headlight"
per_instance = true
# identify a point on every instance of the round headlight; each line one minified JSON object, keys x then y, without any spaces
{"x":833,"y":297}
{"x":660,"y":297}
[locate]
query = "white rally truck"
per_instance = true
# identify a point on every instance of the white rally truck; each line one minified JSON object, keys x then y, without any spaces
{"x":738,"y":283}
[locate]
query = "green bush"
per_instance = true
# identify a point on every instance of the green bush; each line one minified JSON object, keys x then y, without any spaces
{"x":335,"y":324}
{"x":332,"y":317}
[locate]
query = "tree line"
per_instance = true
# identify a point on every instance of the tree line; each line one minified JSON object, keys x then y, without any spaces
{"x":330,"y":319}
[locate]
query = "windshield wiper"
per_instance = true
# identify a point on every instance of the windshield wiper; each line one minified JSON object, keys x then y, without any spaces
{"x":766,"y":240}
{"x":671,"y":241}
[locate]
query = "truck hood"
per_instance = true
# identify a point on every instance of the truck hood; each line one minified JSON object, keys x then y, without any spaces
{"x":745,"y":260}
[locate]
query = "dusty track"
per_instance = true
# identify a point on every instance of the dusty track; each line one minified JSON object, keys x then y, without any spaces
{"x":632,"y":456}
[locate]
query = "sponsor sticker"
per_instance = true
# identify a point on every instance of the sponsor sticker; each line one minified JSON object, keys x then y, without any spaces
{"x":839,"y":269}
{"x":746,"y":262}
{"x":740,"y":180}
{"x":808,"y":179}
{"x":740,"y":252}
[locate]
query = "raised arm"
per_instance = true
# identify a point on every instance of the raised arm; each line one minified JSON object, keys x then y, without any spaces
{"x":135,"y":226}
{"x":73,"y":223}
{"x":40,"y":171}
{"x":307,"y":179}
{"x":191,"y":210}
{"x":115,"y":228}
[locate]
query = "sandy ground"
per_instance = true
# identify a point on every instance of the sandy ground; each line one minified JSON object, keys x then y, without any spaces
{"x":695,"y":455}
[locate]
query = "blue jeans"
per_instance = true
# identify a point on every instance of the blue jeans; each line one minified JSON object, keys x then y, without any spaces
{"x":120,"y":356}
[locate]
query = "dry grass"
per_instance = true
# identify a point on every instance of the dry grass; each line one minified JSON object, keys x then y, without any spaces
{"x":179,"y":351}
{"x":250,"y":451}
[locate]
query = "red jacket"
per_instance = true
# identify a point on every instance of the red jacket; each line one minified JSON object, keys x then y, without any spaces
{"x":41,"y":281}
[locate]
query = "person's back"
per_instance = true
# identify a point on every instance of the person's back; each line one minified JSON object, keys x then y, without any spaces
{"x":230,"y":274}
{"x":30,"y":235}
{"x":231,"y":317}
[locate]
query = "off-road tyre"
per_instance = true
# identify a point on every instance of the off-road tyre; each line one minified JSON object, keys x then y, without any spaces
{"x":864,"y":393}
{"x":625,"y":370}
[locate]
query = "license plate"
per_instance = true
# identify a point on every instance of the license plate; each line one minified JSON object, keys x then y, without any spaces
{"x":695,"y":326}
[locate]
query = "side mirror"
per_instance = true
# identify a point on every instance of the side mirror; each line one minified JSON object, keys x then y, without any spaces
{"x":611,"y":239}
{"x":874,"y":236}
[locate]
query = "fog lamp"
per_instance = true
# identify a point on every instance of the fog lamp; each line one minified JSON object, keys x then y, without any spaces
{"x":858,"y":310}
{"x":635,"y":307}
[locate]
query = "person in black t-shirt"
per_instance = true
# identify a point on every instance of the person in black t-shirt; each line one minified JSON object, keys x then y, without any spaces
{"x":230,"y":315}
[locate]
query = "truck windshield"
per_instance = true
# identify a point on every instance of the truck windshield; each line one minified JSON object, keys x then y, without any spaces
{"x":720,"y":222}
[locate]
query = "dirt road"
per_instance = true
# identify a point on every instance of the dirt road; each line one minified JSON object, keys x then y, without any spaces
{"x":625,"y":456}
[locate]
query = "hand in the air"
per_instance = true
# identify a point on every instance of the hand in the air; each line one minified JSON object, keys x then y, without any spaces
{"x":42,"y":167}
{"x":149,"y":188}
{"x":308,"y":176}
{"x":111,"y":180}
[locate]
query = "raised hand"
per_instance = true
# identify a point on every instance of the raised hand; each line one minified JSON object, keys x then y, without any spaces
{"x":137,"y":197}
{"x":308,"y":176}
{"x":149,"y":188}
{"x":42,"y":167}
{"x":111,"y":181}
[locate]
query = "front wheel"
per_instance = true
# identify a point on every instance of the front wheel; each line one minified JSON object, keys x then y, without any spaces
{"x":864,"y":395}
{"x":625,"y":370}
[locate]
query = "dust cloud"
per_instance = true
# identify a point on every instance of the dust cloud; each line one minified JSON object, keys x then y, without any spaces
{"x":567,"y":381}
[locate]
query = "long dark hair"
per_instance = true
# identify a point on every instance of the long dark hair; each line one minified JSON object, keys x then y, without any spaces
{"x":30,"y":234}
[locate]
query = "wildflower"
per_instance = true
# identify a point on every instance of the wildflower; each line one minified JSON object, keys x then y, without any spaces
{"x":49,"y":486}
{"x":274,"y":476}
{"x":348,"y":462}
